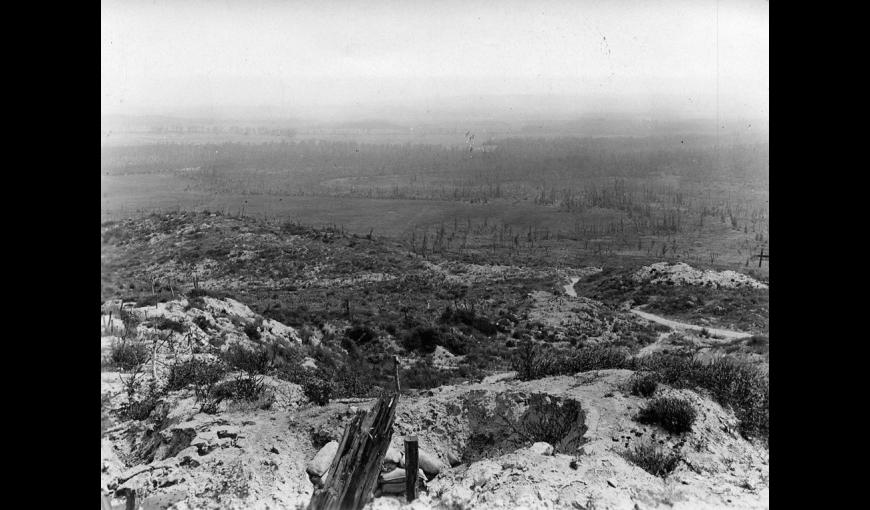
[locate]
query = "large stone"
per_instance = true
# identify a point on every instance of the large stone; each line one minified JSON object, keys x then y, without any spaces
{"x":541,"y":448}
{"x":319,"y":465}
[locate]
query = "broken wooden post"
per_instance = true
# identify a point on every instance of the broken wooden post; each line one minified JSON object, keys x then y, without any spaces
{"x":396,"y":366}
{"x":411,"y":468}
{"x":130,"y":496}
{"x":357,"y":463}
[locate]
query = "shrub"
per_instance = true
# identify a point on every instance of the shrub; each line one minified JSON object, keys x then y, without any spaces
{"x":653,"y":459}
{"x":153,"y":299}
{"x":317,"y":390}
{"x":353,"y":381}
{"x":422,"y":339}
{"x":198,"y":293}
{"x":741,"y":386}
{"x":643,"y":385}
{"x":129,"y":355}
{"x":595,"y":357}
{"x":252,"y":331}
{"x":203,"y":376}
{"x":181,"y":375}
{"x":551,"y":419}
{"x":241,"y":389}
{"x":283,"y":355}
{"x":166,"y":323}
{"x":141,"y":408}
{"x":425,"y":376}
{"x":253,"y":361}
{"x":202,"y":323}
{"x":531,"y":361}
{"x":361,"y":334}
{"x":535,"y":361}
{"x":350,"y":346}
{"x":469,"y":318}
{"x":674,"y":414}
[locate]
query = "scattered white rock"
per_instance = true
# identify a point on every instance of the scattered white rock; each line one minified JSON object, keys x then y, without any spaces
{"x":275,"y":328}
{"x":229,"y":307}
{"x":683,"y":274}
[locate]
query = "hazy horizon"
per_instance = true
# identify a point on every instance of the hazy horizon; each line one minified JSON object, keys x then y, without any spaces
{"x":385,"y":59}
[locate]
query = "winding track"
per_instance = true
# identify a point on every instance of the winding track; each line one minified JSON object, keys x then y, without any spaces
{"x":726,"y":334}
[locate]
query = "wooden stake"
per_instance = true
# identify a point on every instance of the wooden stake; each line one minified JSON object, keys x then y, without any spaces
{"x":411,"y":468}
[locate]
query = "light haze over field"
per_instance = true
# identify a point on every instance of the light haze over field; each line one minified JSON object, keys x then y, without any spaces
{"x":690,"y":59}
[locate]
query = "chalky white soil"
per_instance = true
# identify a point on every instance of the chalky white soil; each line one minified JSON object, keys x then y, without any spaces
{"x":257,"y":458}
{"x":683,"y":274}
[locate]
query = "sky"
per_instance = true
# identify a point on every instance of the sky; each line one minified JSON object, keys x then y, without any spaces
{"x":694,"y":58}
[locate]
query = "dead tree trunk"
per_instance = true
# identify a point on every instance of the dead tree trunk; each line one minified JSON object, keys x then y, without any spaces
{"x":357,"y":463}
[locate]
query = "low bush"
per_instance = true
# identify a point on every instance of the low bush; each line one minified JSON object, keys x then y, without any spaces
{"x":198,"y":293}
{"x":128,"y":355}
{"x":165,"y":323}
{"x":202,"y":323}
{"x":424,"y":376}
{"x":674,"y":414}
{"x":252,"y":331}
{"x":361,"y":334}
{"x":251,"y":361}
{"x":740,"y":386}
{"x":422,"y":339}
{"x":141,"y":408}
{"x":353,"y":380}
{"x":595,"y":357}
{"x":317,"y":389}
{"x":551,"y":419}
{"x":469,"y":318}
{"x":643,"y":385}
{"x":531,"y":361}
{"x":240,"y":389}
{"x":203,"y":376}
{"x":153,"y":299}
{"x":653,"y":459}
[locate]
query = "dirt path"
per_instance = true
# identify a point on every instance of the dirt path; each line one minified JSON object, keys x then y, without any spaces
{"x":725,"y":334}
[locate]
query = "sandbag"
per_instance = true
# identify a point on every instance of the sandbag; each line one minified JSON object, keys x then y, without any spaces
{"x":394,"y":481}
{"x":429,"y":463}
{"x":319,"y":465}
{"x":393,"y":456}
